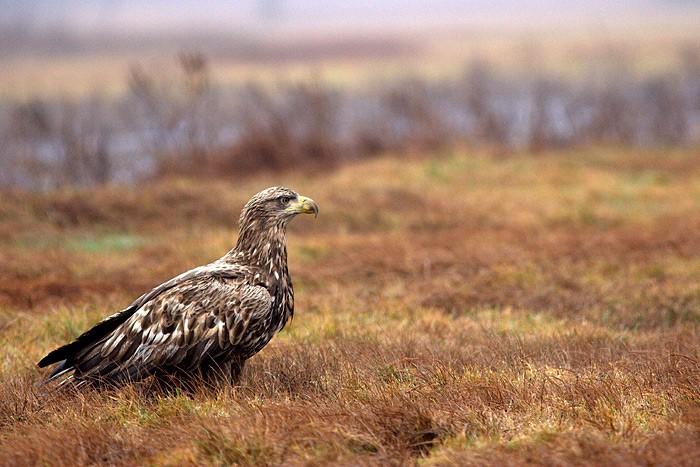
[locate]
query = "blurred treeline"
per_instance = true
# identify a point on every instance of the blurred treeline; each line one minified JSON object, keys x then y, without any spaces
{"x":183,"y":122}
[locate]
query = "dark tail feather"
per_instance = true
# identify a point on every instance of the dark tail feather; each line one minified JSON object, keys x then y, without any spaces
{"x":67,"y":352}
{"x":60,"y":354}
{"x":63,"y":367}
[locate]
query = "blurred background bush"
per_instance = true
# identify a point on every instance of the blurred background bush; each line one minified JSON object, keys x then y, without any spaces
{"x":118,"y":91}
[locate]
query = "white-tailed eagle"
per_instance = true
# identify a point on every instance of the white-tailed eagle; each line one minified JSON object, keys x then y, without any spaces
{"x":210,"y":319}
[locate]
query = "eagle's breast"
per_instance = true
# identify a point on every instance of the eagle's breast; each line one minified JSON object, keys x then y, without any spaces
{"x":269,"y":270}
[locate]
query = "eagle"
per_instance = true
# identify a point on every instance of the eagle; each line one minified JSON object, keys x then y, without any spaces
{"x":207,"y":321}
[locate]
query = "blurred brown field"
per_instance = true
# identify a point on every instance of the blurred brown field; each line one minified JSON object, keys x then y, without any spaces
{"x":347,"y":58}
{"x":459,"y":307}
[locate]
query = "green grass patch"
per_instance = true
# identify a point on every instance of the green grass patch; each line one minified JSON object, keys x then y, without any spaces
{"x":105,"y":243}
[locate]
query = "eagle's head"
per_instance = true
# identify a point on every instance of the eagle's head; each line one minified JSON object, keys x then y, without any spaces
{"x":275,"y":207}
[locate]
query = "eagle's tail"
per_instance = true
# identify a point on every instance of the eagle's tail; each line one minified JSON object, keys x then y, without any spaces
{"x":66,"y":354}
{"x":61,"y":369}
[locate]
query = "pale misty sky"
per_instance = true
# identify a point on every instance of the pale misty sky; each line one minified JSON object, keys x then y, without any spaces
{"x":170,"y":14}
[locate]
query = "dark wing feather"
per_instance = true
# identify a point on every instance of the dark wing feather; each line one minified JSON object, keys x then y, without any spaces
{"x":66,"y":353}
{"x":184,"y":328}
{"x":102,"y":328}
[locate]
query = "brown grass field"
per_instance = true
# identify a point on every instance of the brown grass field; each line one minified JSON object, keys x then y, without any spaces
{"x":462,"y":309}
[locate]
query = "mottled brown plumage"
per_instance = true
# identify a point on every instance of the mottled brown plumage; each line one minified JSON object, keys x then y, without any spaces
{"x":209,"y":319}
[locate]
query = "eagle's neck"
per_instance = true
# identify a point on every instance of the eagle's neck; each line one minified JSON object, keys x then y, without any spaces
{"x":264,"y":250}
{"x":263,"y":247}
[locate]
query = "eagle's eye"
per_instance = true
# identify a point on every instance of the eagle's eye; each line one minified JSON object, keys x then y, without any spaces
{"x":285,"y":200}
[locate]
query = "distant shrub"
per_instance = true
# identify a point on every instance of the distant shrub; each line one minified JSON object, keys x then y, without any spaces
{"x":178,"y":121}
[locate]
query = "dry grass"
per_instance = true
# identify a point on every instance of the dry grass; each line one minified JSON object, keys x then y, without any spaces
{"x":465,"y":309}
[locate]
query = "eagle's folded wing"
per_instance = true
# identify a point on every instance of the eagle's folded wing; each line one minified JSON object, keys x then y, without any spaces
{"x":110,"y":323}
{"x":185,"y":326}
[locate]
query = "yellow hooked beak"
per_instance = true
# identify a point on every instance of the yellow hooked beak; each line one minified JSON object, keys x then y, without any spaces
{"x":303,"y":205}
